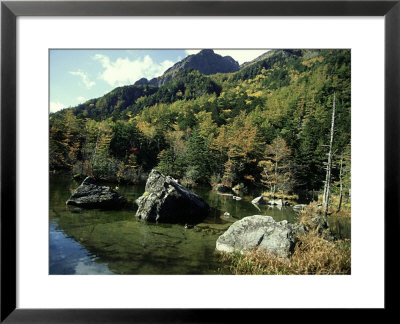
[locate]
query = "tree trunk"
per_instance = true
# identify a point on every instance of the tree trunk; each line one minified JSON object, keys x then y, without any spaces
{"x":94,"y":156}
{"x":330,"y":155}
{"x":276,"y":174}
{"x":341,"y":183}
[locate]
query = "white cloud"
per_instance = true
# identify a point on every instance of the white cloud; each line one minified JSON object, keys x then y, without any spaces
{"x":56,"y":106}
{"x":85,"y":267}
{"x":123,"y":71}
{"x":81,"y":99}
{"x":84,"y":77}
{"x":239,"y":55}
{"x":190,"y":52}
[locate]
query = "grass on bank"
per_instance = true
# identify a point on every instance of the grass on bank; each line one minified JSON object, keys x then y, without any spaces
{"x":280,"y":195}
{"x":313,"y":254}
{"x":345,"y":210}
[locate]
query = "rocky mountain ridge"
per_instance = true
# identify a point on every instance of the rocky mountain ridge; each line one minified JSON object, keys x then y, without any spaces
{"x":206,"y":62}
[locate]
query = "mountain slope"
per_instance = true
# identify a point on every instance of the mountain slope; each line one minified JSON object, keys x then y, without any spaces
{"x":186,"y":85}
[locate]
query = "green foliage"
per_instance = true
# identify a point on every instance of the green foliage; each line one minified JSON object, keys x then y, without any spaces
{"x":199,"y":158}
{"x":113,"y":104}
{"x":255,"y":69}
{"x":276,"y":173}
{"x":186,"y":85}
{"x":201,"y":128}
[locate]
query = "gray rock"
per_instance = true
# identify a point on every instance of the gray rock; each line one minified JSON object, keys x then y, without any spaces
{"x":92,"y":195}
{"x":261,"y":232}
{"x":137,"y":201}
{"x":167,"y":201}
{"x":259,"y":200}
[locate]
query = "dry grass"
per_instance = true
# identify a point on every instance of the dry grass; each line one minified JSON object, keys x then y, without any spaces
{"x":313,"y":210}
{"x":345,"y":210}
{"x":312,"y":255}
{"x":280,"y":195}
{"x":315,"y":255}
{"x":309,"y":212}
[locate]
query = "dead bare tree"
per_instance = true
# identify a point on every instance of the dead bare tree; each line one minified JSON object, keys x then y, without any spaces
{"x":341,"y":183}
{"x":327,"y":187}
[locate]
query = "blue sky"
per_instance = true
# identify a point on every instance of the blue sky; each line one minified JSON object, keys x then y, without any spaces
{"x":80,"y":75}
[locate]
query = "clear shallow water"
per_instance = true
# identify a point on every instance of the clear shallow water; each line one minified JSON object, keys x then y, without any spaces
{"x":105,"y":242}
{"x":69,"y":257}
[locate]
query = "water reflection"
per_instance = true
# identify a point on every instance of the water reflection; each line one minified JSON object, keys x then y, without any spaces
{"x":69,"y":257}
{"x":103,"y":242}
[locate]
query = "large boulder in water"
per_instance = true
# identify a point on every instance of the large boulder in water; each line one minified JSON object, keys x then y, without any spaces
{"x":92,"y":195}
{"x":258,"y":232}
{"x":165,"y":200}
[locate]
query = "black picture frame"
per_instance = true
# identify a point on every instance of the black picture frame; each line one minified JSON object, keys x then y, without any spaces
{"x":10,"y":10}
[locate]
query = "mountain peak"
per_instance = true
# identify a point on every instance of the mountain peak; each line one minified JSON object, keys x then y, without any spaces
{"x":206,"y":62}
{"x":206,"y":51}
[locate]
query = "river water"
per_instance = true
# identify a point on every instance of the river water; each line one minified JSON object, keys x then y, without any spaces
{"x":115,"y":242}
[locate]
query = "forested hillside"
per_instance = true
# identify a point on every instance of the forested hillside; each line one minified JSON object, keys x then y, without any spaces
{"x":266,"y":125}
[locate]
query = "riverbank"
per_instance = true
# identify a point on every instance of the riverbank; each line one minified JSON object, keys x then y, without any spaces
{"x":313,"y":253}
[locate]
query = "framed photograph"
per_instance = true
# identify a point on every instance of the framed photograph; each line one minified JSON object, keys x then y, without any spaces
{"x":162,"y":159}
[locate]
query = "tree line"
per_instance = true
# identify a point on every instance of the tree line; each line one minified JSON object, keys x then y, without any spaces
{"x":267,"y":125}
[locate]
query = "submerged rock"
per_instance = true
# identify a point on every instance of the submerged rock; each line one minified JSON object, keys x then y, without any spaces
{"x":165,"y":200}
{"x":213,"y":228}
{"x":261,"y":232}
{"x":92,"y":195}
